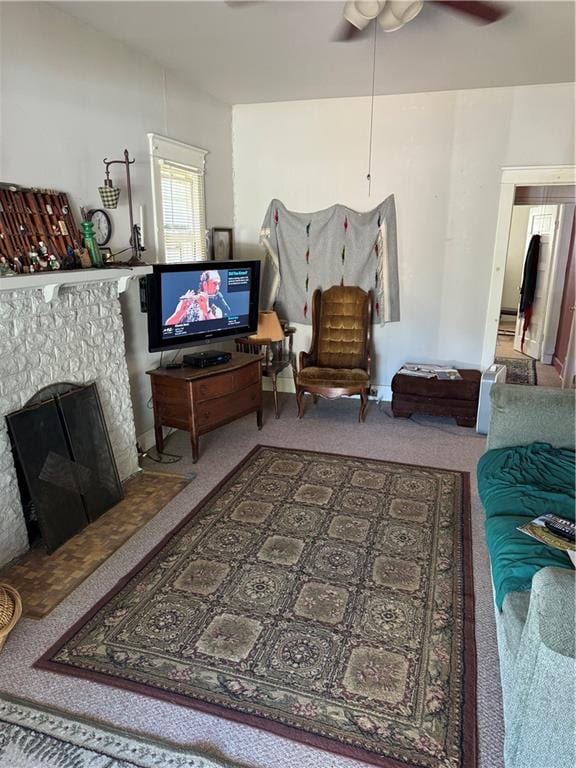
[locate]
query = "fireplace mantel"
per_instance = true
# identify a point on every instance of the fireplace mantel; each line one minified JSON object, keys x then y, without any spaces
{"x":51,"y":282}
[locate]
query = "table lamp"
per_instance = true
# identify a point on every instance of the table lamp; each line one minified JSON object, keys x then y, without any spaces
{"x":269,"y":329}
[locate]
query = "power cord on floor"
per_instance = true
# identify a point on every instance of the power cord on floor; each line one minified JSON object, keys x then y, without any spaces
{"x":160,"y":457}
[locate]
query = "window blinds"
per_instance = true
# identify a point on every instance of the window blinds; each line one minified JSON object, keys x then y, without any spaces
{"x":177,"y":171}
{"x":183,"y":218}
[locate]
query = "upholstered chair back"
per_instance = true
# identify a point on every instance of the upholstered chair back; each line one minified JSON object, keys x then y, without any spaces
{"x":342,"y":328}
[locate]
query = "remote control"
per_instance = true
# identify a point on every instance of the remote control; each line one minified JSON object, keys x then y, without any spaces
{"x":563,"y":528}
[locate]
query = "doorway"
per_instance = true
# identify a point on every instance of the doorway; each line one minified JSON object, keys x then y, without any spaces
{"x":541,"y":341}
{"x":535,"y":344}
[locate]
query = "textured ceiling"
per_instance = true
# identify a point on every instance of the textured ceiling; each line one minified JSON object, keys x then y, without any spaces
{"x":276,"y":51}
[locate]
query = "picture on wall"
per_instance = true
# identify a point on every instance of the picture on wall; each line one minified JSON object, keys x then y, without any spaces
{"x":222,"y":243}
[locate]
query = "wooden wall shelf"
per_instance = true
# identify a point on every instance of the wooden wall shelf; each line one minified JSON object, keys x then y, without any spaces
{"x":29,"y":216}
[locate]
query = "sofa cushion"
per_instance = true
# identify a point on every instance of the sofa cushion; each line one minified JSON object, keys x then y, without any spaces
{"x":332,"y":377}
{"x":516,"y":485}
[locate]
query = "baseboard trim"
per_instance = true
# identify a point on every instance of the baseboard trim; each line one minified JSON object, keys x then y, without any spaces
{"x":146,"y":440}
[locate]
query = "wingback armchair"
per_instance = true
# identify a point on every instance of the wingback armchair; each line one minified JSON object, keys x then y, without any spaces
{"x":338,"y":362}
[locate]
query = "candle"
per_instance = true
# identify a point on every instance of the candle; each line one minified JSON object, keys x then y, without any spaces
{"x":141,"y":223}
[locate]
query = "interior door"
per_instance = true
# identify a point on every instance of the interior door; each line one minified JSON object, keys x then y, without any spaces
{"x":543,"y":221}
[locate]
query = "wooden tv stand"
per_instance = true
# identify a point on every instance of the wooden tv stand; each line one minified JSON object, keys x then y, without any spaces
{"x":199,"y":400}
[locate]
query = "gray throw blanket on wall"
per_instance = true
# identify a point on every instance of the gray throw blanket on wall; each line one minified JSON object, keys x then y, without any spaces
{"x":330,"y":247}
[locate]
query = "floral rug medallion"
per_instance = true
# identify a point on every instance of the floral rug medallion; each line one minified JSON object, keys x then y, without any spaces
{"x":326,"y":598}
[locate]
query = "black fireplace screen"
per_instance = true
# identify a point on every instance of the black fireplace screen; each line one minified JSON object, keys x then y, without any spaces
{"x":66,"y":467}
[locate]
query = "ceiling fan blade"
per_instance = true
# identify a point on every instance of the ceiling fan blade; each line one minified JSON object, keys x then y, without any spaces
{"x":482,"y":13}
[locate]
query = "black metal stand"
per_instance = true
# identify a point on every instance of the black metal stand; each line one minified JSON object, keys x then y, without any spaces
{"x":135,"y":260}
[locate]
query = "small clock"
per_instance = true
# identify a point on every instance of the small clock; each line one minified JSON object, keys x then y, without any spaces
{"x":102,"y":225}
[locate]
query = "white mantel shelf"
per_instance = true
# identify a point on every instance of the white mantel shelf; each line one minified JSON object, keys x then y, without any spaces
{"x":51,"y":282}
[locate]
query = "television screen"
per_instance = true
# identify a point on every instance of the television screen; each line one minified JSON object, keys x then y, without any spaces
{"x":192,"y":303}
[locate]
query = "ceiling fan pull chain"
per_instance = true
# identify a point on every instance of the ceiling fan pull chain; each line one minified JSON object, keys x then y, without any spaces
{"x":369,"y":174}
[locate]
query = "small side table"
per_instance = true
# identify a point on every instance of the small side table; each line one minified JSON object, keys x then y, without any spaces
{"x":275,"y":357}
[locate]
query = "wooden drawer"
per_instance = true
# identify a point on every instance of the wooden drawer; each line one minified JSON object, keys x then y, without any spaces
{"x":172,"y":403}
{"x":246,"y":376}
{"x":214,"y":386}
{"x":221,"y":410}
{"x":226,"y":383}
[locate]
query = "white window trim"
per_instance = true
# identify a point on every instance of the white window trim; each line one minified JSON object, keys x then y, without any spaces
{"x":171,"y":150}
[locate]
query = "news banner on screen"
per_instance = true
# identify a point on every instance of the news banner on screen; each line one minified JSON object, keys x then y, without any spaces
{"x":212,"y":300}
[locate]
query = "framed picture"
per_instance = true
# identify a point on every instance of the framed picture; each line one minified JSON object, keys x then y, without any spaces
{"x":222,"y":243}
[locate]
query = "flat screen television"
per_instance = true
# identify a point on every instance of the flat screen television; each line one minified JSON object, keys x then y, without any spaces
{"x":193,"y":303}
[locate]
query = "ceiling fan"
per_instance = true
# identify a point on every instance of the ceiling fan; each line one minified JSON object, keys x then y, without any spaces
{"x":391,"y":15}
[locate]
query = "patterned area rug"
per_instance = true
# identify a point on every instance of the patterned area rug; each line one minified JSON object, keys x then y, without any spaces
{"x":518,"y":370}
{"x":322,"y":597}
{"x":34,"y":737}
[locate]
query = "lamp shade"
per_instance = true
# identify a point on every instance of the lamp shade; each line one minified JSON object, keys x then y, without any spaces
{"x":109,"y":195}
{"x":269,"y":328}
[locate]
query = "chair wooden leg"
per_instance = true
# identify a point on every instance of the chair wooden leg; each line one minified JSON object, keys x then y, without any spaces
{"x":300,"y":401}
{"x":315,"y":399}
{"x":275,"y":392}
{"x":363,"y":406}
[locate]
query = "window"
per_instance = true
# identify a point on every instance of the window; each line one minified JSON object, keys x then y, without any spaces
{"x":179,"y":203}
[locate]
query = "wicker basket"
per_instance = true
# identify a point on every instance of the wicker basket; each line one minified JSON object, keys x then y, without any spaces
{"x":10,"y":611}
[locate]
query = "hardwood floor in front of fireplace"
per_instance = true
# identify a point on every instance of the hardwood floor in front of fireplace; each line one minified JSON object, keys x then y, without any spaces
{"x":44,"y":580}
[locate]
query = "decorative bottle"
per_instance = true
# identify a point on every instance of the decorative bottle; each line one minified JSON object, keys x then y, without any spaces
{"x":90,"y":244}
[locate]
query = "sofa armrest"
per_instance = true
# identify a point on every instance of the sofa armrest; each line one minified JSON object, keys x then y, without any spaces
{"x":553,"y":603}
{"x":539,"y":680}
{"x":525,"y":415}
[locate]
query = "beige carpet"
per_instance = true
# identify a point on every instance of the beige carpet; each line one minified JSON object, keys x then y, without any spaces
{"x":330,"y":426}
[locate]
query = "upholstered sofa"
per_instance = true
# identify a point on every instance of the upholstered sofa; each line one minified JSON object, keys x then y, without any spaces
{"x":528,"y":470}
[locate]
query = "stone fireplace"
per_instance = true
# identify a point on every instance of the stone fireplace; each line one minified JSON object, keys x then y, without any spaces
{"x":52,"y":329}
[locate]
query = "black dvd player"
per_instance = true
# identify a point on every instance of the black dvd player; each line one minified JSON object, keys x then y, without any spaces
{"x":207,"y":358}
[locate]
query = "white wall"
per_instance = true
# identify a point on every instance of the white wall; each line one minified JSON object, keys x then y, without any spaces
{"x":441,"y":155}
{"x":71,"y":96}
{"x":515,"y":257}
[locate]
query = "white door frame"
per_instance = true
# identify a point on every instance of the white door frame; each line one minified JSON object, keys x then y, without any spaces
{"x":560,"y":256}
{"x":525,"y":176}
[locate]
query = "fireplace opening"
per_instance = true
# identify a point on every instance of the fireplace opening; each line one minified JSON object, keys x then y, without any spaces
{"x":65,"y":467}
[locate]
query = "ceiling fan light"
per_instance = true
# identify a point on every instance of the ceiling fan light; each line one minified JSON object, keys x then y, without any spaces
{"x":388,"y":20}
{"x":406,"y":10}
{"x":361,"y":18}
{"x":369,"y":8}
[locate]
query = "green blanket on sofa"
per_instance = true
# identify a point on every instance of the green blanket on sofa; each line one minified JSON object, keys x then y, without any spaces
{"x":516,"y":485}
